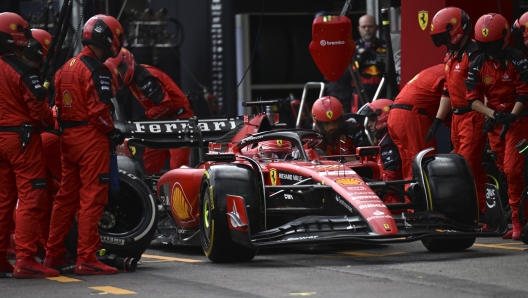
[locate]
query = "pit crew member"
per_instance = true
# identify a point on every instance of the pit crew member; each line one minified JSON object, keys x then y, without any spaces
{"x":501,"y":74}
{"x":24,"y":112}
{"x":83,"y":87}
{"x":412,"y":114}
{"x":161,"y":98}
{"x":450,"y":27}
{"x":377,"y":113}
{"x":340,"y":137}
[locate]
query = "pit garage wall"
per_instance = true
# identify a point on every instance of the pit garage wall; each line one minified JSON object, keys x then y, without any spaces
{"x":417,"y":49}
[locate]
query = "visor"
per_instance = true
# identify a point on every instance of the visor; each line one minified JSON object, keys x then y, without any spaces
{"x":441,"y":39}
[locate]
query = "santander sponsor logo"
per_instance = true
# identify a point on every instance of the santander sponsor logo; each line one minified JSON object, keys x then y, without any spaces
{"x":331,"y":43}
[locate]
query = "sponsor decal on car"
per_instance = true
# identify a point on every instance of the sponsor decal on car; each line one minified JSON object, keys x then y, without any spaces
{"x":345,"y":204}
{"x":180,"y":204}
{"x":371,"y":206}
{"x":348,"y":181}
{"x":377,"y":215}
{"x":291,"y":177}
{"x":356,"y":188}
{"x":300,"y":238}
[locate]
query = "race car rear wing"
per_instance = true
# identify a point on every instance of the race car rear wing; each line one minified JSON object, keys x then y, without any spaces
{"x":176,"y":133}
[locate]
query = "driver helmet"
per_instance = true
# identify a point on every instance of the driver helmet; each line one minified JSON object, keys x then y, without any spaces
{"x":491,"y":34}
{"x":274,"y":149}
{"x":378,"y":112}
{"x":126,"y":65}
{"x":327,"y":114}
{"x":449,"y":26}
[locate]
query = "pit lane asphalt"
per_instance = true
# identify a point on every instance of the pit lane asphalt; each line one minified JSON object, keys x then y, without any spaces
{"x":491,"y":268}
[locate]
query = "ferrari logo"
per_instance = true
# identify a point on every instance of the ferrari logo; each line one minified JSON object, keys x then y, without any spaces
{"x":329,"y":114}
{"x":273,"y":176}
{"x":386,"y":226}
{"x":423,"y":19}
{"x":432,"y":27}
{"x":279,"y":143}
{"x":132,"y":150}
{"x":485,"y":32}
{"x":72,"y":62}
{"x":67,"y":99}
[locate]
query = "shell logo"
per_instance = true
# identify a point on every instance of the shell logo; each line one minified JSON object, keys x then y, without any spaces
{"x":386,"y":108}
{"x":12,"y":27}
{"x":453,"y":20}
{"x":47,"y":41}
{"x":118,"y":31}
{"x":180,"y":205}
{"x":487,"y":80}
{"x":329,"y":114}
{"x":67,"y":99}
{"x":348,"y":181}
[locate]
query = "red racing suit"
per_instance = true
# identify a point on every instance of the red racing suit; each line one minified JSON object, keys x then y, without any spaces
{"x":22,"y":170}
{"x":413,"y":113}
{"x":503,"y":86}
{"x":83,"y":88}
{"x":466,"y":126}
{"x":162,"y":99}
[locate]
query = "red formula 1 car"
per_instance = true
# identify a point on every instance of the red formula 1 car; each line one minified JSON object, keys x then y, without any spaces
{"x":236,"y":200}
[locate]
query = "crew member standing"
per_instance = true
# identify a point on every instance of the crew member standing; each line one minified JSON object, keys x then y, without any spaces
{"x":501,"y":74}
{"x":161,"y":98}
{"x":412,"y":114}
{"x":450,"y":27}
{"x":24,"y":111}
{"x":84,"y":89}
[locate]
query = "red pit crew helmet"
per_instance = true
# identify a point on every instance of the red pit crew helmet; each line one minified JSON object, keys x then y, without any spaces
{"x":449,"y":26}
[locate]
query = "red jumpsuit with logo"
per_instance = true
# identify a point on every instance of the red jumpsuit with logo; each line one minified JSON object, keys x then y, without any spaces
{"x":466,"y":126}
{"x":22,"y":172}
{"x":502,"y":88}
{"x":413,"y":113}
{"x":83,"y":88}
{"x":162,"y":99}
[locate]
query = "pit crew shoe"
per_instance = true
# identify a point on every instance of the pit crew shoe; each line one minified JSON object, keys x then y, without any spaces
{"x":5,"y":266}
{"x":61,"y":264}
{"x":93,"y":268}
{"x":30,"y":268}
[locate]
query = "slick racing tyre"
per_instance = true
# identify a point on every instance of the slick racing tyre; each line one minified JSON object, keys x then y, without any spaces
{"x":451,"y":189}
{"x":216,"y":237}
{"x":129,"y":220}
{"x":448,"y":245}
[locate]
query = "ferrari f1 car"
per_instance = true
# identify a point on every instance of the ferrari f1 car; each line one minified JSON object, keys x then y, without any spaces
{"x":236,"y":201}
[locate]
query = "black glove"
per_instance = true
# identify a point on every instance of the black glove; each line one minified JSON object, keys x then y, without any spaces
{"x":116,"y":136}
{"x":488,"y":126}
{"x":504,"y":117}
{"x":432,"y":131}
